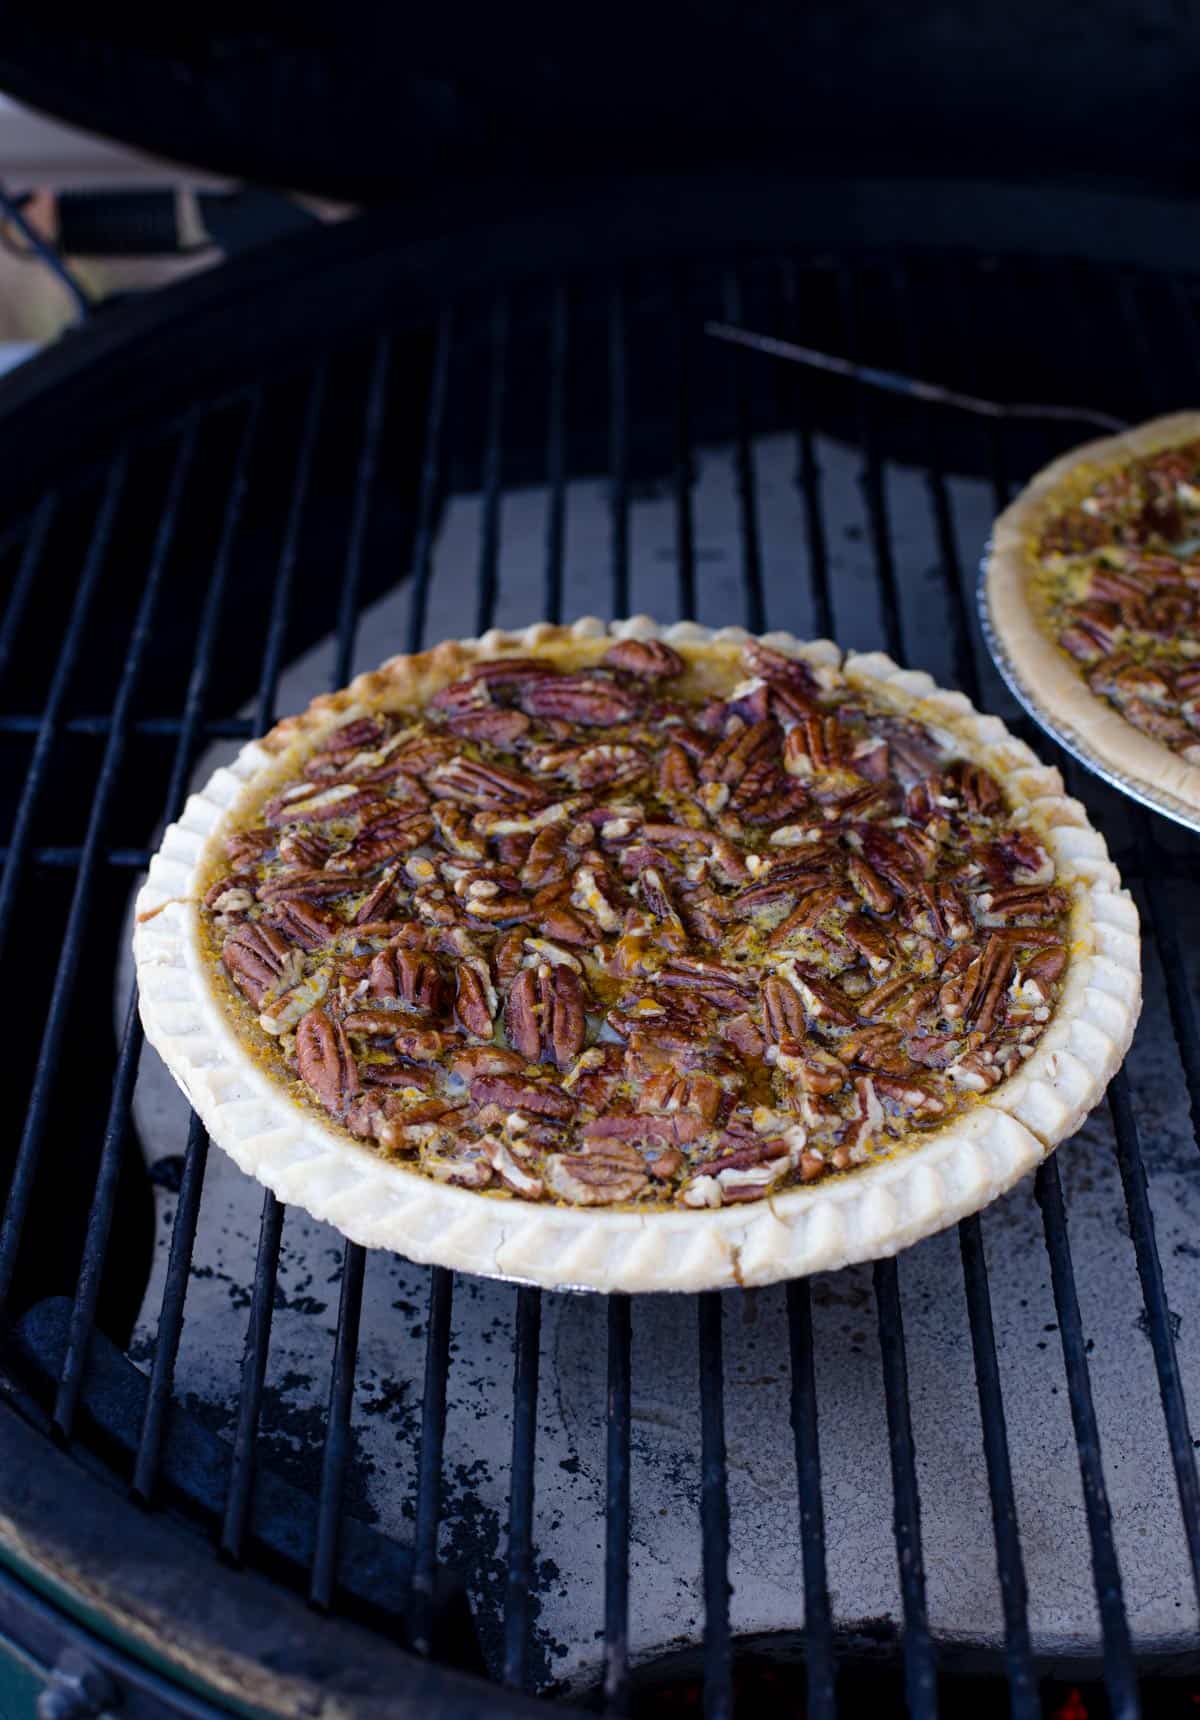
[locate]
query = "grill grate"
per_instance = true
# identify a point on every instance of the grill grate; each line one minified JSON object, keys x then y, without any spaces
{"x":627,"y":347}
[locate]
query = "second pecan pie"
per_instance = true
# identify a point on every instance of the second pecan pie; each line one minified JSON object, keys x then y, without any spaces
{"x":639,"y":961}
{"x":1093,"y":590}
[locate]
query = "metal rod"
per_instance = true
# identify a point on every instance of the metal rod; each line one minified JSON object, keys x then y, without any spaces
{"x":618,"y":448}
{"x":556,"y":459}
{"x":170,"y":1317}
{"x":277,"y":625}
{"x":520,"y":1585}
{"x":618,"y":1421}
{"x":714,"y":1514}
{"x":747,"y":490}
{"x":871,"y":480}
{"x":685,"y":531}
{"x":336,"y":1453}
{"x":1158,"y":1313}
{"x":254,"y":1370}
{"x":183,"y":1231}
{"x":920,"y":1674}
{"x":1120,"y":1674}
{"x":368,"y":461}
{"x":892,"y":382}
{"x":808,"y":481}
{"x":818,"y":1614}
{"x":429,"y":1471}
{"x":489,"y":543}
{"x":431,"y":468}
{"x":23,"y":584}
{"x":48,"y":729}
{"x":1023,"y":1700}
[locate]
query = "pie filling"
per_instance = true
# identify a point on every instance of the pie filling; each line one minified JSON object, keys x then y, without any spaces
{"x":1120,"y":591}
{"x":598,"y":936}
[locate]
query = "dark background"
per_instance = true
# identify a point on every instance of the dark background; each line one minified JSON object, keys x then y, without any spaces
{"x":370,"y":101}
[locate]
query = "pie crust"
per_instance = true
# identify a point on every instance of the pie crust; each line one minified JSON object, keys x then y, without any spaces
{"x":1049,"y":681}
{"x":875,"y":1210}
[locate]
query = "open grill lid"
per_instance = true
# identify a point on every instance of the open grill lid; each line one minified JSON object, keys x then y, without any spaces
{"x":374,"y":104}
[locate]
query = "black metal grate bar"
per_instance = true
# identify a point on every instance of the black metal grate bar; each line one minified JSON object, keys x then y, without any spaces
{"x":489,"y":542}
{"x":556,"y":454}
{"x":1119,"y":1673}
{"x":1162,"y":1340}
{"x":714,"y":1513}
{"x":277,"y":625}
{"x":429,"y":1473}
{"x":220,"y":728}
{"x":170,"y":1316}
{"x":519,"y":1579}
{"x":266,"y":1266}
{"x":1010,"y":1565}
{"x":685,"y":531}
{"x":49,"y":728}
{"x":808,"y":476}
{"x":87,"y":1290}
{"x":1024,"y":1703}
{"x":818,"y":1617}
{"x":752,"y":579}
{"x":618,"y":1423}
{"x":348,"y":602}
{"x":618,"y":447}
{"x":431,"y":477}
{"x":872,"y":478}
{"x":336,"y":1453}
{"x":254,"y":1369}
{"x":100,"y":1216}
{"x":919,"y":1669}
{"x":23,"y":584}
{"x":183,"y":1231}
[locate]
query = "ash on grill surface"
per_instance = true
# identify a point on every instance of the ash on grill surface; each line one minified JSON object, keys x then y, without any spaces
{"x":1004,"y":1477}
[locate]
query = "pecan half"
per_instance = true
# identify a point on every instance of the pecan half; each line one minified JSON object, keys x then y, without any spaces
{"x":260,"y":962}
{"x":592,"y":699}
{"x":600,"y":1178}
{"x":648,"y":659}
{"x":324,"y":1060}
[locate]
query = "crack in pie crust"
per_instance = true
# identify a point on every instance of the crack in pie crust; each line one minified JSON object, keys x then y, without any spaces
{"x":638,"y":959}
{"x":1093,"y":588}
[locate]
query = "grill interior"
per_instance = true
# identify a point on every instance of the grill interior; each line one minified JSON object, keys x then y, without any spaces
{"x":567,"y":446}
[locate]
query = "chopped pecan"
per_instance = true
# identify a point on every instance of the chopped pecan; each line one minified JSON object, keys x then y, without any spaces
{"x":816,"y":1070}
{"x":324,"y":1060}
{"x":547,"y":861}
{"x":648,"y":659}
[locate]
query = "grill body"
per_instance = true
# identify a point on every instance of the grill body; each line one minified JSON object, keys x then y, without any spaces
{"x":973,"y":1461}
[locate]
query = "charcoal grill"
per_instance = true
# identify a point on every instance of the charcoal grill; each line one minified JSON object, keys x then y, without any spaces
{"x":972,"y":1463}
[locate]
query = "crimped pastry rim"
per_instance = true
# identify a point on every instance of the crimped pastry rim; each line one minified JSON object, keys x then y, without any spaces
{"x":875,"y":1211}
{"x":1043,"y":676}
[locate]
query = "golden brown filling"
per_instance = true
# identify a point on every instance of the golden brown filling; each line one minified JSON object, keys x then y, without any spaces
{"x":1122,"y":592}
{"x":595,"y":937}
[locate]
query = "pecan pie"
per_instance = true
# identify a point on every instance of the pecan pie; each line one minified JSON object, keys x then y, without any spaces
{"x":1093,"y":585}
{"x":638,"y":960}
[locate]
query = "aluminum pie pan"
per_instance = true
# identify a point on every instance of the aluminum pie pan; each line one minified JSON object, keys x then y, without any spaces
{"x":1136,"y":788}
